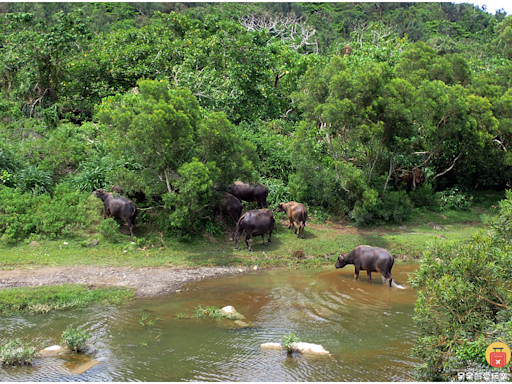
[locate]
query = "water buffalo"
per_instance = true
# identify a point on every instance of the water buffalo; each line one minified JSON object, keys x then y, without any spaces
{"x":255,"y":222}
{"x":297,"y":213}
{"x":229,"y":205}
{"x":247,"y":192}
{"x":118,"y":206}
{"x":412,"y":179}
{"x":370,"y":259}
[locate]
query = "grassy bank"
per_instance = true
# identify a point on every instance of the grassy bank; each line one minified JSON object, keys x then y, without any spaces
{"x":324,"y":240}
{"x":47,"y":298}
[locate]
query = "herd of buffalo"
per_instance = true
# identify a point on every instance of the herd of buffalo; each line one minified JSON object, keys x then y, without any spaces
{"x":260,"y":221}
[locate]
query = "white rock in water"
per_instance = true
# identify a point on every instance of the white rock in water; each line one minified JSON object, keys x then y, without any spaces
{"x":309,"y":348}
{"x":272,"y":346}
{"x":255,"y":267}
{"x":228,"y":310}
{"x":53,"y":348}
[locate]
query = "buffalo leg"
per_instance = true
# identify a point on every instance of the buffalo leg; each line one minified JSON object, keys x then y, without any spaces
{"x":270,"y":236}
{"x":356,"y":274}
{"x":247,"y":238}
{"x":388,"y":277}
{"x":369,"y":273}
{"x":290,"y":225}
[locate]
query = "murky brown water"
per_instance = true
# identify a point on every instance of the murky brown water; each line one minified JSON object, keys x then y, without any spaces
{"x":367,"y":328}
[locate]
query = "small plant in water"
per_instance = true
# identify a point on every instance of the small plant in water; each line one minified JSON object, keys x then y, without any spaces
{"x":212,"y":311}
{"x":289,"y":340}
{"x":75,"y":339}
{"x":143,"y":318}
{"x":15,"y":352}
{"x":182,"y":315}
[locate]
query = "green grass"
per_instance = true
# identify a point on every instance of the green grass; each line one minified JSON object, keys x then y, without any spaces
{"x":44,"y":299}
{"x":324,"y":240}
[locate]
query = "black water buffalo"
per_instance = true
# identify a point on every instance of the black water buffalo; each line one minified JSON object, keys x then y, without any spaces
{"x":370,"y":259}
{"x":297,"y":213}
{"x":255,"y":222}
{"x":229,"y":205}
{"x":248,"y":192}
{"x":118,"y":206}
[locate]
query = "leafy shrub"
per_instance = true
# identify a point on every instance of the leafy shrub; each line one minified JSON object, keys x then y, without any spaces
{"x":501,"y":224}
{"x":15,"y":352}
{"x":289,"y":340}
{"x":425,"y":197}
{"x":394,"y":207}
{"x":464,"y":301}
{"x":75,"y":339}
{"x":195,"y":189}
{"x":277,"y":192}
{"x":34,"y":180}
{"x":92,"y":174}
{"x":26,"y":214}
{"x":109,"y":229}
{"x":453,"y":198}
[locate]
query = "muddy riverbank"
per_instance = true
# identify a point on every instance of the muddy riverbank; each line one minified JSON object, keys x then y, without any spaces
{"x":145,"y":281}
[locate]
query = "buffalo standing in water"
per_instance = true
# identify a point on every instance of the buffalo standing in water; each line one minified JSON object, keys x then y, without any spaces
{"x":119,"y":207}
{"x":297,"y":213}
{"x":255,"y":222}
{"x":250,"y":193}
{"x":369,"y":259}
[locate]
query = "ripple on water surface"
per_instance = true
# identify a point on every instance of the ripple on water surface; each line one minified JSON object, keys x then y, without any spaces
{"x":367,"y":328}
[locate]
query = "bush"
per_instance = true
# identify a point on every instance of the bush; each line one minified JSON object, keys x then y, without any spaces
{"x":25,"y":214}
{"x":15,"y":352}
{"x":501,"y":225}
{"x":34,"y":180}
{"x":424,"y":197}
{"x":289,"y":340}
{"x":394,"y":207}
{"x":75,"y":339}
{"x":109,"y":229}
{"x":453,"y":198}
{"x":277,"y":192}
{"x":464,"y":302}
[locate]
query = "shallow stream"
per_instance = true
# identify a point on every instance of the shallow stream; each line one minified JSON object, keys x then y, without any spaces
{"x":368,"y":329}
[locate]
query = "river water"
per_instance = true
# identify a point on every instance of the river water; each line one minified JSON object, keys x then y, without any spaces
{"x":367,"y":327}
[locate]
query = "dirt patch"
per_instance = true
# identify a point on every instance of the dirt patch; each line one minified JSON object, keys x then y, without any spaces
{"x":146,"y":281}
{"x":338,"y":228}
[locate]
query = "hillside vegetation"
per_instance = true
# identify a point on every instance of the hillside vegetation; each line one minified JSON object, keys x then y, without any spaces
{"x":338,"y":106}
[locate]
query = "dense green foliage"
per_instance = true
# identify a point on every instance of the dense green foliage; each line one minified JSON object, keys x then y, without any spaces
{"x":464,"y":300}
{"x":331,"y":104}
{"x":47,"y":298}
{"x":16,"y":352}
{"x":75,"y":339}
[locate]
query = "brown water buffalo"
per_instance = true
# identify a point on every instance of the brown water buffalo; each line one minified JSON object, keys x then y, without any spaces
{"x":229,"y":205}
{"x":248,"y":192}
{"x":255,"y":222}
{"x":119,"y":207}
{"x":412,"y":179}
{"x":370,"y":259}
{"x":297,"y":213}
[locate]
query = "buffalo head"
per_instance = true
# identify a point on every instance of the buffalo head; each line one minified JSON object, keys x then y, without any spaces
{"x":341,"y":261}
{"x":279,"y":208}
